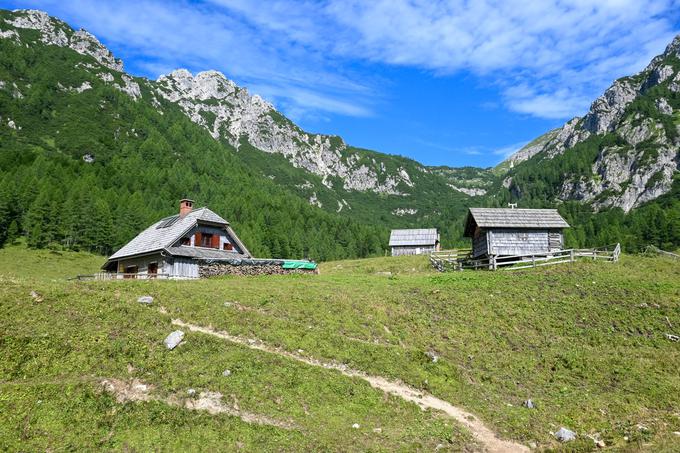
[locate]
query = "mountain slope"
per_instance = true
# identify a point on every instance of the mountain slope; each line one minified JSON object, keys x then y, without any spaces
{"x":89,"y":155}
{"x":77,"y":131}
{"x":628,"y":143}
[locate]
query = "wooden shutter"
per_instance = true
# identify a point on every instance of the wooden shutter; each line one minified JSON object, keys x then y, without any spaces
{"x":215,"y":241}
{"x":197,"y":240}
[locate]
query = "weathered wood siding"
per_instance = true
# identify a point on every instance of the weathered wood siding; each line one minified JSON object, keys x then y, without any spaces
{"x":409,"y":250}
{"x":480,"y":244}
{"x":522,"y":241}
{"x":555,"y":240}
{"x":183,"y":268}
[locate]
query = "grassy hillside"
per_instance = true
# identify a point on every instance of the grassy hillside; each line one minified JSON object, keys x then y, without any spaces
{"x":586,"y":342}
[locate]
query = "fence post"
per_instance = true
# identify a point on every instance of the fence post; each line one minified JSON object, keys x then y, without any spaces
{"x":571,"y":253}
{"x":533,"y":260}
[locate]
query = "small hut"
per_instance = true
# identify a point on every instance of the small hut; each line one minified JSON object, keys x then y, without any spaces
{"x":512,"y":232}
{"x":414,"y":242}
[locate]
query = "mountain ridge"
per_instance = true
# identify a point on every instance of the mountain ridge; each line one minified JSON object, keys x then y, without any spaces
{"x":596,"y":170}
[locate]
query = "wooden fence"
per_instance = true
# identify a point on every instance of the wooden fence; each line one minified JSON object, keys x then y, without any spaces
{"x":461,"y":259}
{"x":121,"y":276}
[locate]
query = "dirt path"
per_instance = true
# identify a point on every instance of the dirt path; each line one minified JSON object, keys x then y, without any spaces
{"x":485,"y":436}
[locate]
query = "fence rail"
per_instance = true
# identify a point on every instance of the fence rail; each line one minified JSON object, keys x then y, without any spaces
{"x":461,"y":259}
{"x":121,"y":276}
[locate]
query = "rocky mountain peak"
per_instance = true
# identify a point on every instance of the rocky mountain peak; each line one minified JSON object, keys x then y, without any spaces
{"x":55,"y":32}
{"x":640,"y":167}
{"x":229,"y":112}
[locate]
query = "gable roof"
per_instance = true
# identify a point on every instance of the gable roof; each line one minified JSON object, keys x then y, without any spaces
{"x":420,"y":236}
{"x":513,"y":218}
{"x":164,"y":233}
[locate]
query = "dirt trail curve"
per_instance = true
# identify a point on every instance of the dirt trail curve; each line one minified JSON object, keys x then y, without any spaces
{"x":485,"y":436}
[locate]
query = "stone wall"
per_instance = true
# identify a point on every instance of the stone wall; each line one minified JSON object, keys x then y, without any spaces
{"x":217,"y":269}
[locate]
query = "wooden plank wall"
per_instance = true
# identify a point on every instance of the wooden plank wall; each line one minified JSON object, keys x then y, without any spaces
{"x":518,"y":241}
{"x":403,"y":250}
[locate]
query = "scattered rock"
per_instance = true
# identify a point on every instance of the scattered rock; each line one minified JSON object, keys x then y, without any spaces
{"x":439,"y":447}
{"x":433,"y":356}
{"x":565,"y":435}
{"x":228,"y":304}
{"x":88,"y":158}
{"x":146,"y":300}
{"x":600,"y":443}
{"x":677,"y":433}
{"x":672,"y":337}
{"x":355,"y":426}
{"x":37,"y":296}
{"x":191,"y":392}
{"x":379,"y":430}
{"x":172,"y":340}
{"x":528,"y":404}
{"x":533,"y":445}
{"x":226,"y":373}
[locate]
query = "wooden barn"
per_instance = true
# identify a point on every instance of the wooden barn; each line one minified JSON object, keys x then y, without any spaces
{"x":177,"y":245}
{"x":512,"y":232}
{"x":414,"y":242}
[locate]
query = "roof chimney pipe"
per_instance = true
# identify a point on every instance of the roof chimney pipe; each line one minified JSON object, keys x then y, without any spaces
{"x":185,"y":207}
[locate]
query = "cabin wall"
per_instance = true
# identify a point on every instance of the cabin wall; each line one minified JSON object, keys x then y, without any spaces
{"x":142,"y":264}
{"x":523,"y":241}
{"x":180,"y":267}
{"x":224,"y":238}
{"x":413,"y":250}
{"x":480,"y":244}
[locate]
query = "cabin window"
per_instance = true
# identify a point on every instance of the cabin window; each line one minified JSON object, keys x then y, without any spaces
{"x":523,"y":236}
{"x":206,"y":240}
{"x":227,"y":246}
{"x":185,"y":241}
{"x":130,"y":272}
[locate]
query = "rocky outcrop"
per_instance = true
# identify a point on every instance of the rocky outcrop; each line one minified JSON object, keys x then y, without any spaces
{"x":471,"y":191}
{"x":57,"y":33}
{"x":229,"y":112}
{"x":641,"y":168}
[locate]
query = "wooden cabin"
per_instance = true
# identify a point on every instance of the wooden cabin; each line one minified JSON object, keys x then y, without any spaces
{"x":414,"y":242}
{"x":512,"y":232}
{"x":177,"y":245}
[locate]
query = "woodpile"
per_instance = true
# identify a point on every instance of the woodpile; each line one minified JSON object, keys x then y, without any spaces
{"x":217,"y":269}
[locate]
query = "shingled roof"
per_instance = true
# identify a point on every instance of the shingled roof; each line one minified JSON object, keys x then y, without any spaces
{"x":164,"y":233}
{"x":421,"y":236}
{"x":513,"y":218}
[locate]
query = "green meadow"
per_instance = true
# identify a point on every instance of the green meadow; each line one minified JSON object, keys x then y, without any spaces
{"x":586,"y":342}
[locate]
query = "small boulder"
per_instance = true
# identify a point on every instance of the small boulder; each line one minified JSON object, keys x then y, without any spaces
{"x":355,"y":426}
{"x":172,"y":340}
{"x":377,"y":430}
{"x":191,"y":392}
{"x":565,"y":435}
{"x":146,"y":300}
{"x":226,"y":373}
{"x":36,"y":296}
{"x":529,"y":404}
{"x":433,"y":356}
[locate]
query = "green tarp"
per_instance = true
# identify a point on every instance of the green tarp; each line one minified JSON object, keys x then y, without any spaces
{"x":298,"y":265}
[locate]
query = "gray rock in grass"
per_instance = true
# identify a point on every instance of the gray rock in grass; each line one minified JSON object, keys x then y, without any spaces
{"x":172,"y":340}
{"x":565,"y":435}
{"x":146,"y":300}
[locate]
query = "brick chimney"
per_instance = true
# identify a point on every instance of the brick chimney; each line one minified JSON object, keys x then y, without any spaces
{"x":185,"y":206}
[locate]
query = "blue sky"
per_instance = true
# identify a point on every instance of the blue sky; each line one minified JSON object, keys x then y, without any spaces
{"x":445,"y":82}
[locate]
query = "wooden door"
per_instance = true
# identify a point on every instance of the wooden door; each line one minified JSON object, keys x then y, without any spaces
{"x":152,"y":270}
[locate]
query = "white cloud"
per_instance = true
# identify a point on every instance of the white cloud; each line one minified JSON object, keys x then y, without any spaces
{"x":548,"y":58}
